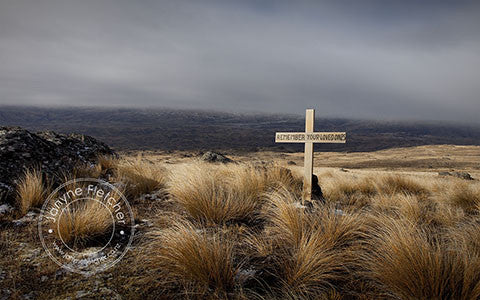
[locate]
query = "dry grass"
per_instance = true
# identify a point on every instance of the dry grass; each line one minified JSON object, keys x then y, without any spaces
{"x":238,"y":231}
{"x":358,"y":191}
{"x":210,"y":196}
{"x":219,"y":194}
{"x":311,"y":247}
{"x":397,"y":184}
{"x":85,"y":220}
{"x":349,"y":191}
{"x":84,"y":170}
{"x":32,"y":191}
{"x":465,"y":196}
{"x":107,"y":162}
{"x":391,"y":233}
{"x":140,"y":177}
{"x":201,"y":261}
{"x":408,"y":263}
{"x":288,"y":222}
{"x":105,"y":165}
{"x":82,"y":222}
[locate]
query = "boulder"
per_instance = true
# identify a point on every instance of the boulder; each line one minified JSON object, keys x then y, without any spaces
{"x":215,"y":157}
{"x":461,"y":175}
{"x":51,"y":152}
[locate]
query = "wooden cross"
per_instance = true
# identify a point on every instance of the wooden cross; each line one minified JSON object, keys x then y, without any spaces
{"x":309,"y":137}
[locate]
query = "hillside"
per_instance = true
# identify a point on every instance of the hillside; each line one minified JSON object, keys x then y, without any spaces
{"x":166,"y":129}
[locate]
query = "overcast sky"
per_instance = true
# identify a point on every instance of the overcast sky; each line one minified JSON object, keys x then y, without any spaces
{"x":361,"y":58}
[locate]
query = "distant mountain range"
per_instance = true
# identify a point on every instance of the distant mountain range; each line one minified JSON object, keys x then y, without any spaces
{"x":166,"y":129}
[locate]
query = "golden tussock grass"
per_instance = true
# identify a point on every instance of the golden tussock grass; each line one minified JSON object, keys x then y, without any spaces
{"x":349,"y":191}
{"x":107,"y":162}
{"x":466,"y":237}
{"x":288,"y":222}
{"x":84,"y":221}
{"x":391,"y":233}
{"x":359,"y":191}
{"x":408,"y":263}
{"x":140,"y":176}
{"x":396,"y":184}
{"x":239,"y":231}
{"x":311,"y":247}
{"x":407,"y":206}
{"x":196,"y":258}
{"x":219,"y":194}
{"x":447,"y":215}
{"x":465,"y":196}
{"x":84,"y":171}
{"x":32,"y":190}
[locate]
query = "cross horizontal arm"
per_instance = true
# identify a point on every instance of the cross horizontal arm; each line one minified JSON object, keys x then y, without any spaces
{"x":312,"y":137}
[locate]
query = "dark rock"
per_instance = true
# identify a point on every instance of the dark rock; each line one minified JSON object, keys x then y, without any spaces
{"x":316,"y":190}
{"x":461,"y":175}
{"x":215,"y":157}
{"x":29,"y":296}
{"x":5,"y":209}
{"x":51,"y":152}
{"x":28,"y":218}
{"x":291,"y":162}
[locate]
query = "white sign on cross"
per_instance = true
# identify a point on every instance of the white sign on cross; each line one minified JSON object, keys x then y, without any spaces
{"x":309,"y":137}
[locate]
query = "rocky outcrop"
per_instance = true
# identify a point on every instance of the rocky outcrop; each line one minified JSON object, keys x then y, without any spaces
{"x":461,"y":175}
{"x":215,"y":157}
{"x":49,"y":151}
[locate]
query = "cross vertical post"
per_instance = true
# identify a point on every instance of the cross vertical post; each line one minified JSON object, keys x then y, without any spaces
{"x":308,"y":159}
{"x":309,"y":137}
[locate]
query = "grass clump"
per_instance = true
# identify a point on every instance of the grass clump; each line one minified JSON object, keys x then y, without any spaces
{"x":107,"y":162}
{"x":311,"y":248}
{"x":83,"y":222}
{"x":359,"y":191}
{"x":32,"y":190}
{"x":209,"y":196}
{"x":220,"y":194}
{"x":202,"y":261}
{"x":396,"y":184}
{"x":105,"y":165}
{"x":407,"y":263}
{"x":465,"y":196}
{"x":140,"y":177}
{"x":350,"y":191}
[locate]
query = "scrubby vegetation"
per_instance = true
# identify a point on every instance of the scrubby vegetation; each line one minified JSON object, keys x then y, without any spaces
{"x":83,"y":221}
{"x":241,"y":231}
{"x":31,"y":190}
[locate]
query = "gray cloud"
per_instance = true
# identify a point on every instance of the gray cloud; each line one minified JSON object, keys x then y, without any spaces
{"x":364,"y":59}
